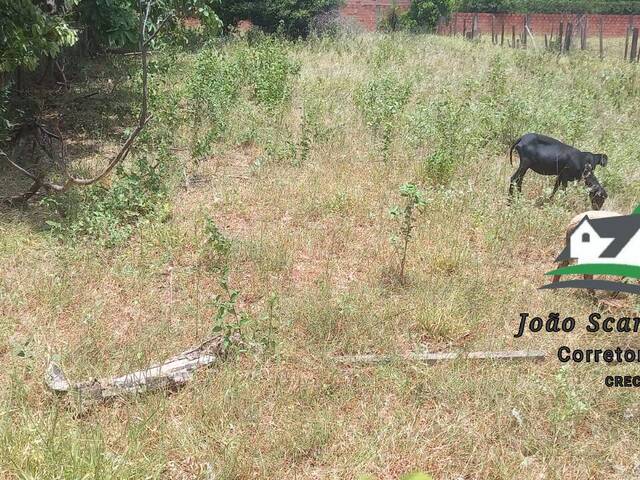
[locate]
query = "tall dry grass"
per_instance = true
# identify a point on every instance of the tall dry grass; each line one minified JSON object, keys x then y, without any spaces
{"x":310,"y":233}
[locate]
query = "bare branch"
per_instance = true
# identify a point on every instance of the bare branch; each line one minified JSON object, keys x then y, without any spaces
{"x":20,"y":199}
{"x":158,"y":29}
{"x":143,"y":119}
{"x":172,"y":374}
{"x":143,"y":55}
{"x":122,"y":154}
{"x":18,"y":167}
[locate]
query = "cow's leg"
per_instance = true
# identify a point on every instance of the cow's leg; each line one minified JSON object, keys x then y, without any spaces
{"x":517,"y":178}
{"x":555,"y":188}
{"x":561,"y":181}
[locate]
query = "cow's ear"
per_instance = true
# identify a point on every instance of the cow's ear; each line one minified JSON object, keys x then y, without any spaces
{"x":603,"y":160}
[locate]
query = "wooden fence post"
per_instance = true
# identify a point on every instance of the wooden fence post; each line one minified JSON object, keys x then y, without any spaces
{"x":546,"y":42}
{"x":502,"y":35}
{"x":626,"y":43}
{"x":493,"y":31}
{"x":560,"y":37}
{"x":464,"y":28}
{"x":513,"y":36}
{"x":524,"y":32}
{"x":600,"y":34}
{"x":567,"y":37}
{"x":583,"y":34}
{"x":634,"y":46}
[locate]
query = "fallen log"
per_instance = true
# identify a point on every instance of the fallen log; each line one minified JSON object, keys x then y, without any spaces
{"x":441,"y":356}
{"x":169,"y":375}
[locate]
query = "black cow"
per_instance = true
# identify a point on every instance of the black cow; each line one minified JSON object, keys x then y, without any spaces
{"x":548,"y":156}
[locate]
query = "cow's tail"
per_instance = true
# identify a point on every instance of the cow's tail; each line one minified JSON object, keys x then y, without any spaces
{"x":511,"y":150}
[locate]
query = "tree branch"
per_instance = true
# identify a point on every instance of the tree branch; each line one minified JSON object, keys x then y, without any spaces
{"x":158,"y":29}
{"x":168,"y":375}
{"x":18,"y":167}
{"x":143,"y":119}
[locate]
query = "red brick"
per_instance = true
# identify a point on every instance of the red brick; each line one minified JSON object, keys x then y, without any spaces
{"x":367,"y":13}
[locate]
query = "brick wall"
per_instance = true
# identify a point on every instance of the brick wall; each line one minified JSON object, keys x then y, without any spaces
{"x":541,"y":23}
{"x":367,"y":12}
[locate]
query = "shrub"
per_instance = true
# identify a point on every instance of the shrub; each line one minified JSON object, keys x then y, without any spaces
{"x":269,"y":71}
{"x":211,"y":91}
{"x":415,"y":201}
{"x":27,"y":34}
{"x":110,"y":215}
{"x":292,"y":18}
{"x":423,"y":15}
{"x":441,"y":126}
{"x":393,"y":20}
{"x":381,"y":101}
{"x":114,"y":23}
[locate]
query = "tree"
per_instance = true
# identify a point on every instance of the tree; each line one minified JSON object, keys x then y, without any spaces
{"x":28,"y":33}
{"x":44,"y":139}
{"x":112,"y":24}
{"x":291,"y":17}
{"x":424,"y":14}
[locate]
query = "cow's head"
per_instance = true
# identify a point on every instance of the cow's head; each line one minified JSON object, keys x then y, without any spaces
{"x":597,"y":193}
{"x":601,"y":159}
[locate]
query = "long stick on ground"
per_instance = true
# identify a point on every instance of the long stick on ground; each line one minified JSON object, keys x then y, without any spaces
{"x":442,"y":356}
{"x":169,"y":375}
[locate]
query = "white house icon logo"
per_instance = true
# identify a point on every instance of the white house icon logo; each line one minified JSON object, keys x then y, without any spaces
{"x":602,"y":246}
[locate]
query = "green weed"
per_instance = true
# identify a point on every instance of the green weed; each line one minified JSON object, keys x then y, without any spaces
{"x":381,"y":101}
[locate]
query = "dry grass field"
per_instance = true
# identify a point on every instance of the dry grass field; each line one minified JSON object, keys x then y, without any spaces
{"x":299,"y":174}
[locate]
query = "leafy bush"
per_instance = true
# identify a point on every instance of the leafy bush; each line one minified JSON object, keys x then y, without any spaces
{"x":211,"y":91}
{"x":216,"y":248}
{"x":263,"y":69}
{"x":114,"y":23}
{"x":110,"y":23}
{"x":290,"y":17}
{"x":269,"y":70}
{"x":381,"y":101}
{"x":441,"y":126}
{"x":393,"y":19}
{"x":27,"y":34}
{"x":109,"y":215}
{"x":423,"y":15}
{"x":549,"y":6}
